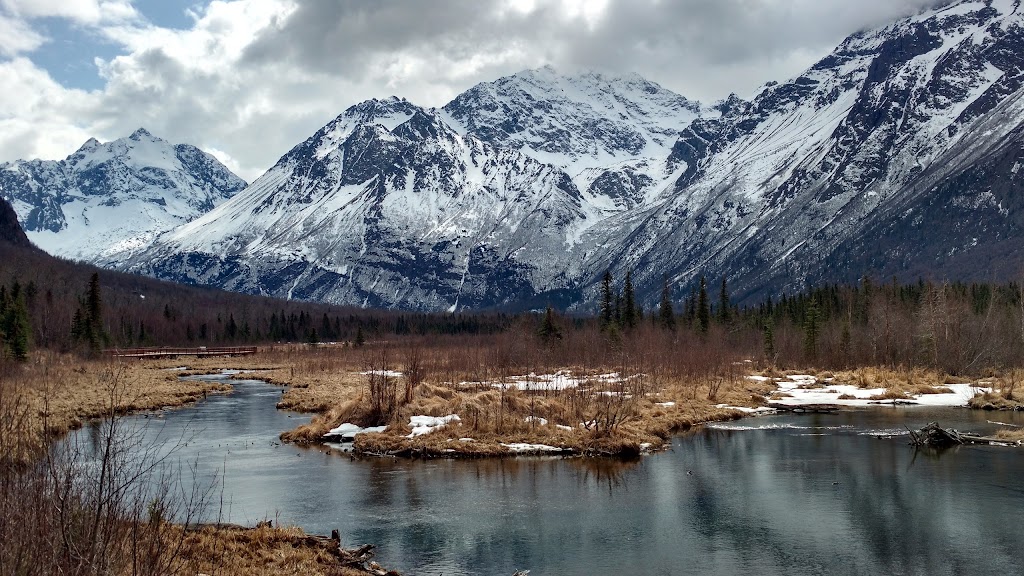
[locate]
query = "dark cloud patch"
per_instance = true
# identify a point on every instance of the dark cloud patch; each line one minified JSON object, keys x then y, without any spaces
{"x":706,"y":47}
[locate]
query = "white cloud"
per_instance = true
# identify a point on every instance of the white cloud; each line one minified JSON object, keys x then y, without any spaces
{"x":79,"y":11}
{"x":251,"y":78}
{"x":16,"y":36}
{"x":40,"y":118}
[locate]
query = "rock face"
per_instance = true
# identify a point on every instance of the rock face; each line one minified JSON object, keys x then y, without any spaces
{"x":106,"y":201}
{"x":900,"y":153}
{"x":388,"y":205}
{"x":10,"y":229}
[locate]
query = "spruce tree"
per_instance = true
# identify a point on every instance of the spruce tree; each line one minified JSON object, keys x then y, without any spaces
{"x":548,"y":329}
{"x":846,"y":343}
{"x":691,"y":307}
{"x":95,"y":301}
{"x":629,"y":315}
{"x":607,"y":300}
{"x":666,"y":315}
{"x":703,"y":307}
{"x":360,"y":339}
{"x":724,"y":308}
{"x":811,"y":329}
{"x":18,"y":329}
{"x":769,"y":340}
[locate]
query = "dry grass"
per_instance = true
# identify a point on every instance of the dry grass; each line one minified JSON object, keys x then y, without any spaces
{"x":621,"y":419}
{"x":994,"y":401}
{"x":899,"y":383}
{"x":266,"y":551}
{"x":60,"y":392}
{"x":327,"y":380}
{"x":1016,"y":435}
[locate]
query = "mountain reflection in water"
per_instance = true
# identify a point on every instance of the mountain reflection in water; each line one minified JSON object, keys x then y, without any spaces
{"x":798,"y":494}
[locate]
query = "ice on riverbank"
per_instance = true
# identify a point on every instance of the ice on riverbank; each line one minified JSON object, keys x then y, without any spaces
{"x":761,"y":410}
{"x":521,"y":448}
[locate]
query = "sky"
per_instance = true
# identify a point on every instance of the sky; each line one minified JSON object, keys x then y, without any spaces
{"x":246,"y":80}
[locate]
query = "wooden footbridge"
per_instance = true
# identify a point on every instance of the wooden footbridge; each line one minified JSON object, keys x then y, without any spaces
{"x":165,"y":352}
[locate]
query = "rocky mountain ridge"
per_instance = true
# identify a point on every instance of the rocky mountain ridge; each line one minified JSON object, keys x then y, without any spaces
{"x":900,"y":153}
{"x":108,"y":200}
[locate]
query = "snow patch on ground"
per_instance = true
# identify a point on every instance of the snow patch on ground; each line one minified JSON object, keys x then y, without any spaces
{"x":561,"y":380}
{"x":387,"y":373}
{"x":348,"y":431}
{"x":426,"y":424}
{"x":800,"y":394}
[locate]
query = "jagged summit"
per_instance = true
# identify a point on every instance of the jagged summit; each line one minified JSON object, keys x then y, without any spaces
{"x":89,"y":145}
{"x":576,"y":121}
{"x":900,"y":153}
{"x":527,"y":188}
{"x":109,"y":199}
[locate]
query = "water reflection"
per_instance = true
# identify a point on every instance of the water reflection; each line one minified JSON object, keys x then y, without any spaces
{"x":815,"y":494}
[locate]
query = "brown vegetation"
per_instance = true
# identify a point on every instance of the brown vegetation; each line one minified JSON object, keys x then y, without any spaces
{"x":268,"y":551}
{"x":668,"y":386}
{"x":55,"y":393}
{"x":124,"y":512}
{"x":1016,"y":435}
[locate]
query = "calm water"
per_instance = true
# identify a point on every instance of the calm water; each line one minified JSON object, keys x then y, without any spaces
{"x":811,"y":494}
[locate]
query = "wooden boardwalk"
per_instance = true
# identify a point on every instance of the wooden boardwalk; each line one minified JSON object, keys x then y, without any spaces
{"x":163,"y":352}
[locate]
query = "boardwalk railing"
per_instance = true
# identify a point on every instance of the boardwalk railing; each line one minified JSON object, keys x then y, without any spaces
{"x":200,"y":351}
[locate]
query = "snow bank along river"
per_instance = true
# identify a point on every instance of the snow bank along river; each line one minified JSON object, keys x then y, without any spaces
{"x":785,"y":494}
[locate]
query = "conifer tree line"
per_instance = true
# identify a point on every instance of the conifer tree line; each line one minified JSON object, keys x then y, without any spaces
{"x":55,"y":305}
{"x":956,"y":327}
{"x":15,"y":327}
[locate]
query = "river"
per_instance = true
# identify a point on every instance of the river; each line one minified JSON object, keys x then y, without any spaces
{"x":789,"y":494}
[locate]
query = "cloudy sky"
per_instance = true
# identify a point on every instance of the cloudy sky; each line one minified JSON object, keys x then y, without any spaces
{"x":248,"y":79}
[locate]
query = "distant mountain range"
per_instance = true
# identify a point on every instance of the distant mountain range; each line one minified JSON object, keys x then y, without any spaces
{"x":106,"y":201}
{"x":900,"y":153}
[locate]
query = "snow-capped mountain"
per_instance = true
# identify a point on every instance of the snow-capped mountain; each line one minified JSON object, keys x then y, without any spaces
{"x":106,"y":201}
{"x":612,"y":135}
{"x":387,"y":205}
{"x":896,"y":154}
{"x":899,"y":153}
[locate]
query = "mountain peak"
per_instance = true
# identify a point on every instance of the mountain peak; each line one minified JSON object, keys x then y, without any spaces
{"x":90,"y":145}
{"x":140,"y":134}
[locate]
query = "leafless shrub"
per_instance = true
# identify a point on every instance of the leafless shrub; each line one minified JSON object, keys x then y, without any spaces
{"x":415,"y":371}
{"x":383,"y":390}
{"x":96,"y":503}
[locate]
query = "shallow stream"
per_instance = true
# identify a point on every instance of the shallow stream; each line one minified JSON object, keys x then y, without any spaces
{"x":789,"y":494}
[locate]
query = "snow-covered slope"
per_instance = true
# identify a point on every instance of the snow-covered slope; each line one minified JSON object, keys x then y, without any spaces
{"x":612,"y":135}
{"x":890,"y":156}
{"x":902,"y":152}
{"x":106,"y":201}
{"x":387,"y":205}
